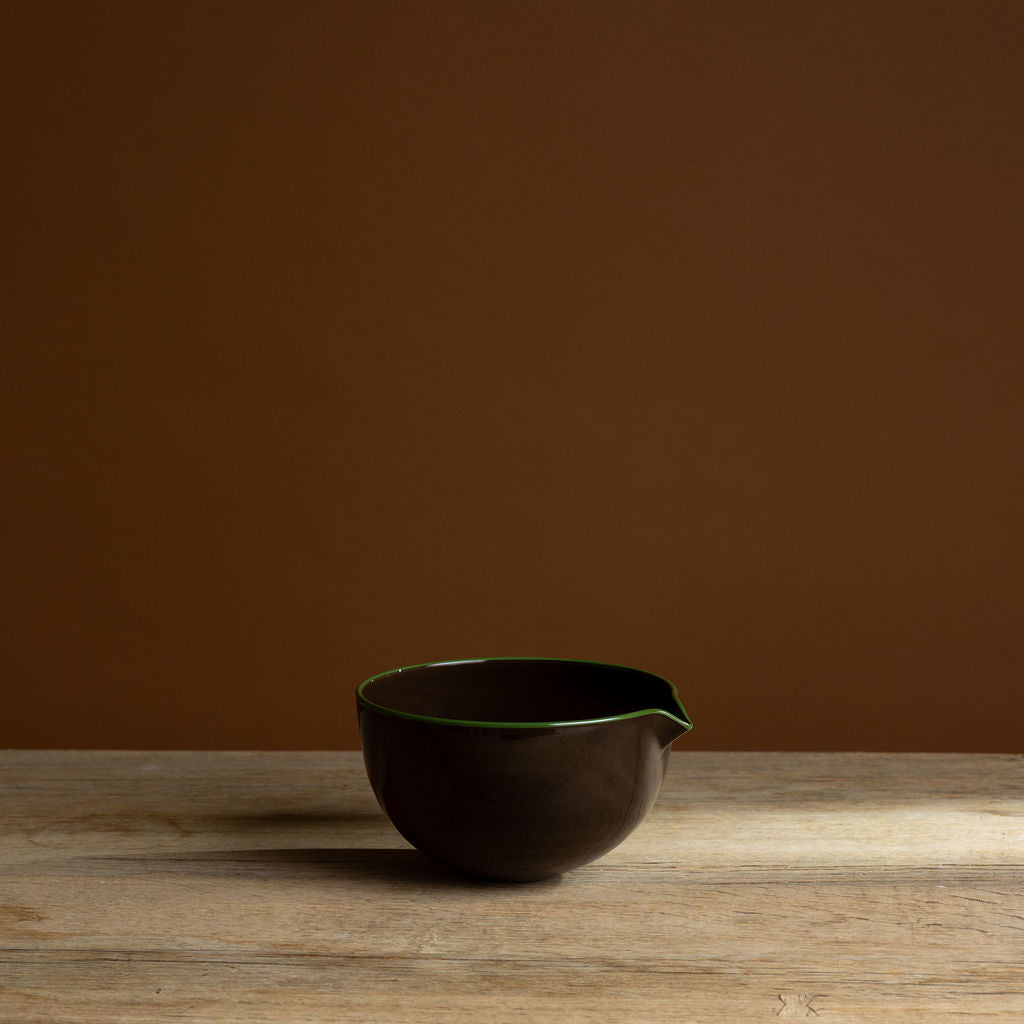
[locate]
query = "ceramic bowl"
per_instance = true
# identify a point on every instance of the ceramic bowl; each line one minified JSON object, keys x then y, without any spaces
{"x":517,"y":769}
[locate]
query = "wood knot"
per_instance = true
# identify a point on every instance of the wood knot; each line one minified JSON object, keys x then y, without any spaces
{"x":797,"y":1004}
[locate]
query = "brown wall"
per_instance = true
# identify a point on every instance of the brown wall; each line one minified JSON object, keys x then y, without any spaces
{"x":341,"y":336}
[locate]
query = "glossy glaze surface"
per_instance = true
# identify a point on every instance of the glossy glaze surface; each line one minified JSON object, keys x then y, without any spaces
{"x":517,"y":769}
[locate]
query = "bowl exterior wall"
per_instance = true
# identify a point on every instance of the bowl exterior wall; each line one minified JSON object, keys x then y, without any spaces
{"x":517,"y":804}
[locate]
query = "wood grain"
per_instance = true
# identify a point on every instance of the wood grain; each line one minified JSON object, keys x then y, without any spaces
{"x":268,"y":887}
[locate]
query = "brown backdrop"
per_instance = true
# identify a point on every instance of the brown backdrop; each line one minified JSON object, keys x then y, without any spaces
{"x":341,"y":336}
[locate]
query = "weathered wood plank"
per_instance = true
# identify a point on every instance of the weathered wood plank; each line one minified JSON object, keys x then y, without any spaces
{"x":269,"y":887}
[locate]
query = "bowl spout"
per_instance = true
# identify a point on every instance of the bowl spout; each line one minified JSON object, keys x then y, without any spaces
{"x":669,"y":726}
{"x":668,"y":716}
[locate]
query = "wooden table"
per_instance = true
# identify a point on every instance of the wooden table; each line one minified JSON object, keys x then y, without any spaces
{"x":259,"y":887}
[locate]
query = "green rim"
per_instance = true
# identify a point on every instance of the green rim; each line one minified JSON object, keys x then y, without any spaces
{"x":682,"y":719}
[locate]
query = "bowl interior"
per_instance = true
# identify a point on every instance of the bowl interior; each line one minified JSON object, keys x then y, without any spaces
{"x":520,"y":691}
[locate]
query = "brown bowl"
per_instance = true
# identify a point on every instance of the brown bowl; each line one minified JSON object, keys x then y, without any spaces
{"x":517,"y":768}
